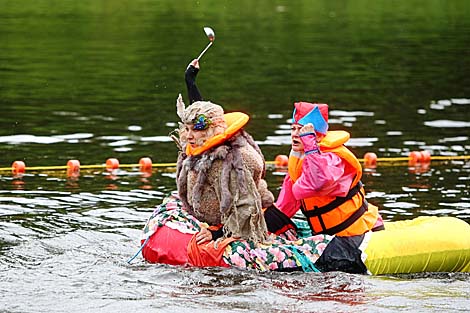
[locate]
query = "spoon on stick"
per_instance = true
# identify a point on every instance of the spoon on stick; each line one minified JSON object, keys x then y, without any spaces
{"x":211,"y":35}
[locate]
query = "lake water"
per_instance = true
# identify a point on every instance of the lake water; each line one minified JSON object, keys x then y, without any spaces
{"x":92,"y":80}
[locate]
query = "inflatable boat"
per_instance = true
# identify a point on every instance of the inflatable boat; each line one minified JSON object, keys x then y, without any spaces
{"x":423,"y":244}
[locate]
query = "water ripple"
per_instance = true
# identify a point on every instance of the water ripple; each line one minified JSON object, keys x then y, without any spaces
{"x":447,"y":124}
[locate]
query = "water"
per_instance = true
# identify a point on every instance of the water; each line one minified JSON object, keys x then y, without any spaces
{"x":91,"y":80}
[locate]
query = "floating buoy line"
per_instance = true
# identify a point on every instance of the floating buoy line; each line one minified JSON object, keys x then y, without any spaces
{"x":145,"y":165}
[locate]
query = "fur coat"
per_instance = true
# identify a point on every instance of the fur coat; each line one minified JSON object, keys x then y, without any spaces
{"x":225,"y":185}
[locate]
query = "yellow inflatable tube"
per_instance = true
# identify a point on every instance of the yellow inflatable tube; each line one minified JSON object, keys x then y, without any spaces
{"x":423,"y":244}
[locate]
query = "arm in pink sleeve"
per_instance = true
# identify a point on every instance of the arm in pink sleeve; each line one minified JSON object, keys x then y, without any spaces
{"x":286,"y":201}
{"x":322,"y":175}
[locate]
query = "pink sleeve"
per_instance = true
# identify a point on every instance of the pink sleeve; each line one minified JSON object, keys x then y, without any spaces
{"x":286,"y":202}
{"x":322,"y":175}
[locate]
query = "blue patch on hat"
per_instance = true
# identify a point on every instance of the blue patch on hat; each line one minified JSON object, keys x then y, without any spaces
{"x":315,"y":118}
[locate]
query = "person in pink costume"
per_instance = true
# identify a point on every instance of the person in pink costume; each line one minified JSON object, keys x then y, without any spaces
{"x":323,"y":181}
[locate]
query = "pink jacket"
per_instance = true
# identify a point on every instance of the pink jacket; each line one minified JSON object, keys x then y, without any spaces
{"x":322,"y":174}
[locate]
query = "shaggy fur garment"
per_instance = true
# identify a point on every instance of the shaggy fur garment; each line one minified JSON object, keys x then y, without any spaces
{"x":225,"y":185}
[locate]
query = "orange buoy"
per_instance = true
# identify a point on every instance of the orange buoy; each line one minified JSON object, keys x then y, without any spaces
{"x":281,"y":160}
{"x":112,"y":164}
{"x":73,"y":168}
{"x":425,"y":156}
{"x":145,"y":164}
{"x":18,"y":167}
{"x":370,"y":160}
{"x":414,"y":158}
{"x":73,"y":165}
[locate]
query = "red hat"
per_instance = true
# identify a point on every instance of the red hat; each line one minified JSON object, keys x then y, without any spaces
{"x":303,"y":108}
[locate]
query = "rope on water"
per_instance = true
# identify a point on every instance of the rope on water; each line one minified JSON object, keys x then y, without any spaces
{"x":147,"y":165}
{"x":147,"y":240}
{"x":140,"y":250}
{"x":307,"y":265}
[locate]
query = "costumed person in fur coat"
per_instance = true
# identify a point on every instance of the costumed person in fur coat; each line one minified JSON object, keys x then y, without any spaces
{"x":323,"y":181}
{"x":220,"y":173}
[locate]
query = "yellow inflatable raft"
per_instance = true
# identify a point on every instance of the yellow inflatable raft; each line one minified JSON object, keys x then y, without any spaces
{"x":423,"y":244}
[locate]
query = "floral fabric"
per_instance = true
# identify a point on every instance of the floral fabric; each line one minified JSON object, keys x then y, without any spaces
{"x":277,"y":253}
{"x":171,"y":214}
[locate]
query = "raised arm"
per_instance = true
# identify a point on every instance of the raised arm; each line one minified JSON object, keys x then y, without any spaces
{"x":190,"y":78}
{"x":323,"y":173}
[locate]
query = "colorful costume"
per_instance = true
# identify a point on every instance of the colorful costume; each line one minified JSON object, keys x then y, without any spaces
{"x":251,"y":156}
{"x":324,"y":182}
{"x":221,"y":181}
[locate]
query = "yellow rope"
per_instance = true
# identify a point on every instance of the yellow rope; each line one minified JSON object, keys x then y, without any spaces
{"x":442,"y":157}
{"x":91,"y":166}
{"x":94,"y":166}
{"x":456,"y":157}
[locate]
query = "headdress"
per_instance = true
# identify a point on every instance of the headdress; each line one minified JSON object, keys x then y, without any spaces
{"x":202,"y":114}
{"x":314,"y":113}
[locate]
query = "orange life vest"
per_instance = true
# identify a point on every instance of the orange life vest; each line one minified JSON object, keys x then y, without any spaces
{"x":342,"y":216}
{"x":235,"y":121}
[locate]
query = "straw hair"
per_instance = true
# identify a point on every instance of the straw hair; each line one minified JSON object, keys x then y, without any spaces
{"x":211,"y":110}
